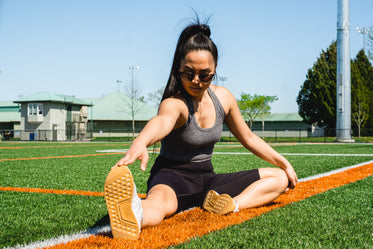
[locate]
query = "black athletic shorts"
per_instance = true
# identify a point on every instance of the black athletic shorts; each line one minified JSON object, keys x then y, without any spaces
{"x":192,"y":181}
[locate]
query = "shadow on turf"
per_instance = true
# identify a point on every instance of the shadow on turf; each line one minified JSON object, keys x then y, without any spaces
{"x":104,"y":221}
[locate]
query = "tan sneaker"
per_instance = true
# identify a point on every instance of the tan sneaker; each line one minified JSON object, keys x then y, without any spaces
{"x":123,"y":203}
{"x":219,"y":204}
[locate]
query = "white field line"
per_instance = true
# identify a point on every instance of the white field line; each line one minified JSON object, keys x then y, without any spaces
{"x":156,"y":149}
{"x":105,"y":229}
{"x":64,"y":238}
{"x":112,"y":151}
{"x":292,"y":154}
{"x":334,"y":171}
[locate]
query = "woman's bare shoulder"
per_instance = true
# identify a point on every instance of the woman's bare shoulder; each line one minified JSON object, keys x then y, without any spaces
{"x":225,"y":97}
{"x":174,"y":100}
{"x":221,"y":91}
{"x":173,"y":104}
{"x":176,"y":107}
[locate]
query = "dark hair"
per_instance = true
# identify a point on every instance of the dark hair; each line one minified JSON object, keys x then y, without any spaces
{"x":194,"y":37}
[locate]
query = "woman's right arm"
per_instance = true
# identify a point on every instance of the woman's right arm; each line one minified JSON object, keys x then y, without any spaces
{"x":170,"y":115}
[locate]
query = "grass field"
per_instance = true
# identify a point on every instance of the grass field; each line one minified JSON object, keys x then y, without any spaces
{"x":338,"y":218}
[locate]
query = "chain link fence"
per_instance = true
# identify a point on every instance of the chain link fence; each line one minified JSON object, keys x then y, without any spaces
{"x":269,"y":135}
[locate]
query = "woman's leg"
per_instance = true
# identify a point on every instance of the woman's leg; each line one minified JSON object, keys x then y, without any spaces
{"x":127,"y":212}
{"x":272,"y":183}
{"x":160,"y":202}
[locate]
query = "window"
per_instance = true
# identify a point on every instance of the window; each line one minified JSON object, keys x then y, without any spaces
{"x":40,"y":109}
{"x":30,"y":108}
{"x":35,"y":109}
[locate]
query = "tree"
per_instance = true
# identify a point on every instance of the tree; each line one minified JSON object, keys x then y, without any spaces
{"x":361,"y":89}
{"x":253,"y":107}
{"x":156,"y":97}
{"x":360,"y":110}
{"x":136,"y":101}
{"x":317,"y":97}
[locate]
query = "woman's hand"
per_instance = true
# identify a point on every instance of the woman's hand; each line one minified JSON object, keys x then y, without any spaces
{"x":292,"y":176}
{"x":136,"y":151}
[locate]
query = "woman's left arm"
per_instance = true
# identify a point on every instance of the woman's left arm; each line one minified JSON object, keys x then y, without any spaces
{"x":249,"y":140}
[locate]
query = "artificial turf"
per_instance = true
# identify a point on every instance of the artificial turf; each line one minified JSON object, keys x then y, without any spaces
{"x":28,"y":217}
{"x":338,"y":218}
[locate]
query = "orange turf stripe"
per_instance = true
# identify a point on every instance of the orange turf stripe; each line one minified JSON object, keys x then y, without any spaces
{"x":11,"y":147}
{"x":52,"y":191}
{"x":51,"y":157}
{"x":196,"y":222}
{"x":63,"y":146}
{"x":56,"y":191}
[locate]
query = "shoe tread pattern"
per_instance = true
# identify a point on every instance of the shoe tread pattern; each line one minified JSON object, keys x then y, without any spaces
{"x":118,"y":191}
{"x":218,"y":204}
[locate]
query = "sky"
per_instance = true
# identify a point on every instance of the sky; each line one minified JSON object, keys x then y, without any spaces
{"x":83,"y":47}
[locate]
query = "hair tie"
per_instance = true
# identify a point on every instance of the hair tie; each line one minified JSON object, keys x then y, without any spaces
{"x":204,"y":29}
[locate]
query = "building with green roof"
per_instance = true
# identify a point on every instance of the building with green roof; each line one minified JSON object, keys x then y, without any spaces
{"x":118,"y":107}
{"x":51,"y":97}
{"x":289,"y":121}
{"x":10,"y":118}
{"x":111,"y":115}
{"x":47,"y":116}
{"x":282,"y":125}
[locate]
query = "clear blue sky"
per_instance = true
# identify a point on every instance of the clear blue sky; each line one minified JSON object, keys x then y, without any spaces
{"x":82,"y":47}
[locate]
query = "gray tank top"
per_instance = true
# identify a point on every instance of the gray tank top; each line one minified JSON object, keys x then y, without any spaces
{"x":190,"y":142}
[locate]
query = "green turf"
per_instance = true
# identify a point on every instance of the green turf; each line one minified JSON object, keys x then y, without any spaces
{"x":32,"y":150}
{"x":307,"y":148}
{"x":28,"y":217}
{"x":88,"y":173}
{"x":338,"y":218}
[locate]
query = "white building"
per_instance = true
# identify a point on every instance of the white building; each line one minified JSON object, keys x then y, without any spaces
{"x":47,"y":116}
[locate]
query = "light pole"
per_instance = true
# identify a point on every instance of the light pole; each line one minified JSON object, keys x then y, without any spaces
{"x":364,"y":31}
{"x":133,"y":68}
{"x":223,"y":79}
{"x":91,"y":121}
{"x":119,"y":83}
{"x":133,"y":97}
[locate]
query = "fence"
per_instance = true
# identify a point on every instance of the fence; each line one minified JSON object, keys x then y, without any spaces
{"x":68,"y":135}
{"x":269,"y":135}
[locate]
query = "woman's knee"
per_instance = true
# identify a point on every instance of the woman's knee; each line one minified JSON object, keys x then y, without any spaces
{"x":276,"y":173}
{"x":163,"y":197}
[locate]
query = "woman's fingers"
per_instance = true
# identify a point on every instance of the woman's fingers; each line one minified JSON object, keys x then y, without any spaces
{"x":144,"y":161}
{"x":130,"y":157}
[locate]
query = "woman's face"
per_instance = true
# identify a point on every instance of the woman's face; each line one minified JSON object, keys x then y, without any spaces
{"x":196,"y":72}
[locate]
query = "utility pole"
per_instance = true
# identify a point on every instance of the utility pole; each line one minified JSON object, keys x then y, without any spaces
{"x":343,"y":124}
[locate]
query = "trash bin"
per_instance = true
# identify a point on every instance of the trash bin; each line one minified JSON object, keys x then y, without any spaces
{"x":7,"y":135}
{"x":33,"y":136}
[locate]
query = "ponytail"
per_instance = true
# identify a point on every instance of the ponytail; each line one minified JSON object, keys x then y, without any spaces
{"x":192,"y":38}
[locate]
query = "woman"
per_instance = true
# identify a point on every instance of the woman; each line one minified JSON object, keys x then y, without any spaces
{"x":189,"y":122}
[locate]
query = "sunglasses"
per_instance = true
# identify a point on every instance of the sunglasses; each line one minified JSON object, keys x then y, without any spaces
{"x":203,"y":77}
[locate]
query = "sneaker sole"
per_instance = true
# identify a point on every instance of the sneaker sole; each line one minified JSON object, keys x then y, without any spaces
{"x":118,"y":191}
{"x":218,"y":204}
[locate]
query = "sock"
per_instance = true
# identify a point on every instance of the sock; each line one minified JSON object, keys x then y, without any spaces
{"x":236,"y":209}
{"x":137,"y":208}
